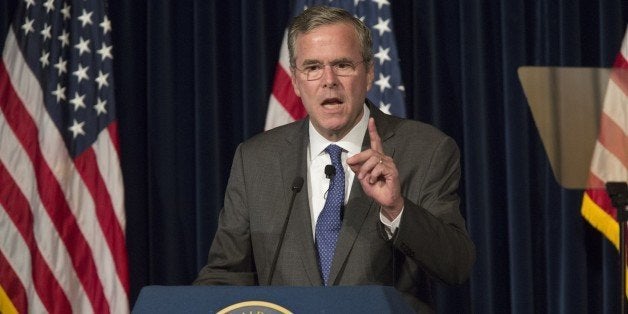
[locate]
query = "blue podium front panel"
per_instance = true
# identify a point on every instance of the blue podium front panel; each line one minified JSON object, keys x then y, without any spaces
{"x":212,"y":299}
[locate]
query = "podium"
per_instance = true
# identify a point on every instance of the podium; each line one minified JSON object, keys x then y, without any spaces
{"x":273,"y":299}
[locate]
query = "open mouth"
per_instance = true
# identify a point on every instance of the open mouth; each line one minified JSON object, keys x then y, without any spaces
{"x":332,"y":101}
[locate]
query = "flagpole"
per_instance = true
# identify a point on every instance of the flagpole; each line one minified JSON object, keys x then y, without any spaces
{"x":618,"y":192}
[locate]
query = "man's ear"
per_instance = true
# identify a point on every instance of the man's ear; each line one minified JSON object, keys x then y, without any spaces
{"x":295,"y":83}
{"x":370,"y":76}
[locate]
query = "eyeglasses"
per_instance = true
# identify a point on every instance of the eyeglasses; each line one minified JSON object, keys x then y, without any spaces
{"x":315,"y":71}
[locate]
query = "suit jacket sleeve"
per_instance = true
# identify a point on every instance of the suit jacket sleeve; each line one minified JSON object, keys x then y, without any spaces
{"x":432,"y":231}
{"x":230,"y":260}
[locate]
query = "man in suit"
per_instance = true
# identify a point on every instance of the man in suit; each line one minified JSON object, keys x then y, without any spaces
{"x":379,"y":203}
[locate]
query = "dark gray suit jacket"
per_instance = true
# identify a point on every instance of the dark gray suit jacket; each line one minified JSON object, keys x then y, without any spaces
{"x":431,"y":242}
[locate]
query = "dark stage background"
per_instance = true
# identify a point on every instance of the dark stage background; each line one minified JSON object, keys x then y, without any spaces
{"x":193,"y":79}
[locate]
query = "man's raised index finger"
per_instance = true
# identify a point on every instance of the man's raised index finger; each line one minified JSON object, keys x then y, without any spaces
{"x":376,"y":141}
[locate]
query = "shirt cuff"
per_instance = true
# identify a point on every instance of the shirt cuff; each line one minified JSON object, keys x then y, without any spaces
{"x":390,"y":226}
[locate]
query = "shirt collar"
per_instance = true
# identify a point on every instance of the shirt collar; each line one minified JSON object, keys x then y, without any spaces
{"x":352,"y":142}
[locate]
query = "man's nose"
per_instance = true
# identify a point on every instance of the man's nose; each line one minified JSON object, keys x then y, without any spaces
{"x":330,"y":78}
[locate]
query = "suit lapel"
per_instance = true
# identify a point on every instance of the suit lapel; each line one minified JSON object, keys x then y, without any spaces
{"x":359,"y":205}
{"x":301,"y":210}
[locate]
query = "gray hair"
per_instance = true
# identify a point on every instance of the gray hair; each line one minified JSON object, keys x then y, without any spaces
{"x":318,"y":16}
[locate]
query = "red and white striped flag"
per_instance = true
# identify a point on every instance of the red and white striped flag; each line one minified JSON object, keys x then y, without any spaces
{"x":62,"y":222}
{"x":610,"y":156}
{"x":388,"y":91}
{"x":284,"y":105}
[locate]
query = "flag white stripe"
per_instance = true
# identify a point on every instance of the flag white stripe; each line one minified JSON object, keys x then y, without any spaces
{"x":606,"y":166}
{"x":109,"y":167}
{"x":13,"y":245}
{"x":615,"y":104}
{"x":276,"y":115}
{"x":62,"y":166}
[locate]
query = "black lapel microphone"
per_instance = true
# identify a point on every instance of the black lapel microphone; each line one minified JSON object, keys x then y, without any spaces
{"x":330,"y":171}
{"x":297,"y":184}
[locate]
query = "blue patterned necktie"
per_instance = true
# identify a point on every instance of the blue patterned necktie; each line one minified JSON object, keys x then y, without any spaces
{"x":330,"y":219}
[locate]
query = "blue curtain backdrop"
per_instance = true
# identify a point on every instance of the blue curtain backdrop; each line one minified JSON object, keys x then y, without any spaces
{"x":193,"y":80}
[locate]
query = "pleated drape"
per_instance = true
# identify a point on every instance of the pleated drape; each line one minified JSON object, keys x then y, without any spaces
{"x":193,"y":79}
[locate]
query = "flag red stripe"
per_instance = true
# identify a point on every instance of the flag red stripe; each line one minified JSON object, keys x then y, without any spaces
{"x":17,"y":207}
{"x":612,"y":137}
{"x":52,"y":196}
{"x":620,"y":61}
{"x":599,"y":196}
{"x":283,"y":91}
{"x":114,"y":235}
{"x":12,"y":286}
{"x":113,"y":134}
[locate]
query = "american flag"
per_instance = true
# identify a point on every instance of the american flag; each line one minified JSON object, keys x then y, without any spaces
{"x":62,"y":223}
{"x":387,"y":92}
{"x":610,"y":156}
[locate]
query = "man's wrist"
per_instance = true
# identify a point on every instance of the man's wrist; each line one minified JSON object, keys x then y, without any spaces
{"x":391,"y":212}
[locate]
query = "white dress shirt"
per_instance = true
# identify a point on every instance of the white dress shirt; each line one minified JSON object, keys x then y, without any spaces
{"x":318,"y":159}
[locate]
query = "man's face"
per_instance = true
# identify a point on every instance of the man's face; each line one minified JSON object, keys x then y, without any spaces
{"x":334,"y":103}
